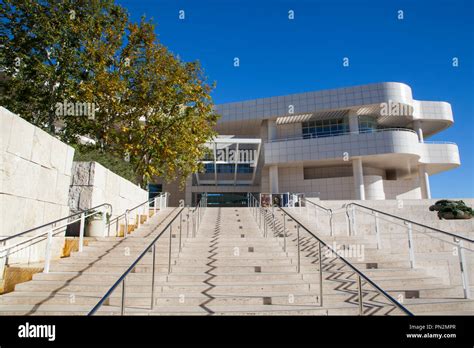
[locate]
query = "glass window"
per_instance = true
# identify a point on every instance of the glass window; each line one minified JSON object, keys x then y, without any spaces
{"x":367,"y":124}
{"x":324,"y":128}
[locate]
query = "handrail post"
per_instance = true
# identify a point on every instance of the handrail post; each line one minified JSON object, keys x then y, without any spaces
{"x":463,"y":267}
{"x":359,"y":287}
{"x":104,"y":220}
{"x":116,"y":226}
{"x":5,"y":263}
{"x":154,"y":205}
{"x":153,"y":277}
{"x":298,"y":238}
{"x":197,"y":217}
{"x":348,"y":220}
{"x":180,"y":227}
{"x":122,"y":306}
{"x":169,"y":250}
{"x":139,"y":217}
{"x":353,"y":216}
{"x":47,"y":257}
{"x":377,"y":231}
{"x":320,"y":274}
{"x":284,"y":231}
{"x":125,"y":232}
{"x":331,"y":225}
{"x":81,"y":232}
{"x":187,"y":222}
{"x":410,"y":245}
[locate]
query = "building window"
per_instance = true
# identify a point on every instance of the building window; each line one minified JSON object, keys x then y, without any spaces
{"x":208,"y":167}
{"x":310,"y":173}
{"x":324,"y":128}
{"x":367,"y":124}
{"x":244,"y":168}
{"x":228,"y":168}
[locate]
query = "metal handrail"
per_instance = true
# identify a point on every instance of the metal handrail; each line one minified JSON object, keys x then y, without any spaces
{"x":329,"y":211}
{"x":6,"y":250}
{"x":125,"y":214}
{"x":132,"y":266}
{"x":458,"y":240}
{"x":313,"y":136}
{"x":197,"y":211}
{"x":359,"y":273}
{"x":408,"y":221}
{"x":56,"y":221}
{"x":80,"y":217}
{"x":255,"y":205}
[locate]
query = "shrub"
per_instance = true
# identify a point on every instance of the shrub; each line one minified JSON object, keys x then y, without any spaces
{"x":109,"y":161}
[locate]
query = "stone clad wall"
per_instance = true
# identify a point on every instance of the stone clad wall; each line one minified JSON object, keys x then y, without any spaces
{"x":35,"y":188}
{"x":93,"y":184}
{"x":35,"y":172}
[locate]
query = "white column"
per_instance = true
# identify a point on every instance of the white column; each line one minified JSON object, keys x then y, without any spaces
{"x":358,"y":178}
{"x":353,"y":123}
{"x":424,"y":182}
{"x":418,"y":130}
{"x":272,"y":129}
{"x":273,"y":171}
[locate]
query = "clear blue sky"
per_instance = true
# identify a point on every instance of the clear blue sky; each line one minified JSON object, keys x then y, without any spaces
{"x":280,"y":56}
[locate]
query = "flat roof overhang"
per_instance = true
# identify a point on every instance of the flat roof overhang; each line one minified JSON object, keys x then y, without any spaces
{"x":223,"y":142}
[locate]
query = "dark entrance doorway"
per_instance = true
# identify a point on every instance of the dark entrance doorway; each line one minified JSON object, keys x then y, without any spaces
{"x":225,"y":199}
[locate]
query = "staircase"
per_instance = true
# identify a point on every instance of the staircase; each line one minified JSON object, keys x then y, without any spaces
{"x":416,"y":288}
{"x":231,"y":266}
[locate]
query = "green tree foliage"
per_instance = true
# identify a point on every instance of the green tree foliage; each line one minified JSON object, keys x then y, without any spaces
{"x":149,"y":106}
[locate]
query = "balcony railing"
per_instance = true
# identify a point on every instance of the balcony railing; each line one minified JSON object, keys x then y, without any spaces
{"x":334,"y":134}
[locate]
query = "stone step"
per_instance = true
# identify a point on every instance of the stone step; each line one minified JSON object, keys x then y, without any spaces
{"x":118,"y":251}
{"x":161,"y":267}
{"x":344,"y":309}
{"x":207,"y":277}
{"x":196,"y":299}
{"x":133,"y":286}
{"x":423,"y":306}
{"x":184,"y":277}
{"x":426,"y":291}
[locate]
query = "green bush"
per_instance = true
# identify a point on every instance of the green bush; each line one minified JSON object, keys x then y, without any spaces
{"x":452,"y":210}
{"x":109,"y":161}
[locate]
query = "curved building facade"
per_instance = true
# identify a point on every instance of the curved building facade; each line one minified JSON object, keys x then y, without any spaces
{"x":362,"y":142}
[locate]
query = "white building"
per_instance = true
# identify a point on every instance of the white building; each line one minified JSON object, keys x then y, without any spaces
{"x":362,"y":142}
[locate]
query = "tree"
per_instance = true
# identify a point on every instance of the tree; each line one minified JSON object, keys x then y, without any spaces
{"x":40,"y":42}
{"x":169,"y":117}
{"x":148,"y":105}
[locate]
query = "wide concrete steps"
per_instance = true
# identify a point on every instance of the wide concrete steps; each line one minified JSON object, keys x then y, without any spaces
{"x":229,"y":268}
